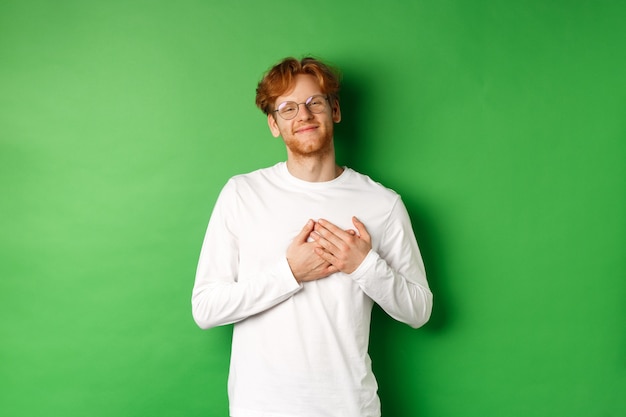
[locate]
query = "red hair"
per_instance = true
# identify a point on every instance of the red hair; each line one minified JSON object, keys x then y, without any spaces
{"x":281,"y":77}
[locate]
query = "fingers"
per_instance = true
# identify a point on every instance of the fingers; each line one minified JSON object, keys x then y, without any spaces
{"x":362,"y":230}
{"x":345,"y":249}
{"x":332,"y":233}
{"x":328,"y":225}
{"x":337,"y":236}
{"x":305,"y":263}
{"x":331,"y":269}
{"x":333,"y":249}
{"x":327,"y":257}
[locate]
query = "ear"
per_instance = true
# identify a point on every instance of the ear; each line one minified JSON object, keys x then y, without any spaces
{"x":271,"y":122}
{"x":336,"y":112}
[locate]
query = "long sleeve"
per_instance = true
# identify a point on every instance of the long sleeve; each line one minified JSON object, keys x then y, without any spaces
{"x":219,"y":297}
{"x":393,"y":275}
{"x":302,"y":349}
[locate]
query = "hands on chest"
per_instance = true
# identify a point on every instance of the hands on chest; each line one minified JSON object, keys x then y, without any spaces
{"x":321,"y":249}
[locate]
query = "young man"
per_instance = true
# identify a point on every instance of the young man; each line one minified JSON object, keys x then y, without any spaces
{"x":296,"y":254}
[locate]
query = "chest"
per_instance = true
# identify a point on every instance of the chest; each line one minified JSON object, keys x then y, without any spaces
{"x":268,"y":221}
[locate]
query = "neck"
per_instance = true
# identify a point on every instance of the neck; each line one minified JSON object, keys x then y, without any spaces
{"x":313,"y":169}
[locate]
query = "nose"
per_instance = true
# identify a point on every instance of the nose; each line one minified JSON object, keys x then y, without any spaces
{"x":303,"y":112}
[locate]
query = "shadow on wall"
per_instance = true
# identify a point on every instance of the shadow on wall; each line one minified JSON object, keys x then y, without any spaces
{"x":395,"y":348}
{"x":352,"y":150}
{"x":348,"y":135}
{"x":390,"y":339}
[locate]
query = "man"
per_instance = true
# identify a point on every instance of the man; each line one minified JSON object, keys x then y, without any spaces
{"x":296,"y":254}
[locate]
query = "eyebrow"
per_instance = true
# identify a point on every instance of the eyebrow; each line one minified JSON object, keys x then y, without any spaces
{"x":298,"y":101}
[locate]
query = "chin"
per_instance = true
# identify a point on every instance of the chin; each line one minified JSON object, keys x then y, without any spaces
{"x":313,"y":149}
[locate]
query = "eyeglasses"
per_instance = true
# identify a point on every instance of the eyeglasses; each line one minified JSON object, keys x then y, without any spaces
{"x":289,"y":109}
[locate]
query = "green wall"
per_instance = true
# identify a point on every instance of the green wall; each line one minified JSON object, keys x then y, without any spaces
{"x":500,"y":123}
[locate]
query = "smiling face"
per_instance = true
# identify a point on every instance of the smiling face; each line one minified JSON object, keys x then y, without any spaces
{"x":308,"y":134}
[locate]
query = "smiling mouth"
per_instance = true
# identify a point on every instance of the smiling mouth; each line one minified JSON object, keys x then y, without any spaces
{"x":306,"y":129}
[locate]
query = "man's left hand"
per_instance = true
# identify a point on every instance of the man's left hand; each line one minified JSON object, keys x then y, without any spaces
{"x":344,"y":249}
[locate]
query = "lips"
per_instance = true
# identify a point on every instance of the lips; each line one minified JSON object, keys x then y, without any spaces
{"x":305,"y":129}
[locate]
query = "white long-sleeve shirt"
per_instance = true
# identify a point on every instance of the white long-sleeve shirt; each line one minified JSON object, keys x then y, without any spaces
{"x":300,"y":350}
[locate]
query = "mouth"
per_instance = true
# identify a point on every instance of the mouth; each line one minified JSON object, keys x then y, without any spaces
{"x":305,"y":129}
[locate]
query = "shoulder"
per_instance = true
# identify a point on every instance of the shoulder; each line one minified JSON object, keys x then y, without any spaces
{"x":255,"y":178}
{"x":241,"y":189}
{"x":364,"y":183}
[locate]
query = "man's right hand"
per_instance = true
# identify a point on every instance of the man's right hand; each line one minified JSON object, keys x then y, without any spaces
{"x":305,"y":264}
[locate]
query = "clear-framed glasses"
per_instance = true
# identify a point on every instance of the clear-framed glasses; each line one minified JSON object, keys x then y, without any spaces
{"x":289,"y":109}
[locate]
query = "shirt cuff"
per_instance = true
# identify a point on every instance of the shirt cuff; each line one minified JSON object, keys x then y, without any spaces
{"x":360,"y":273}
{"x":283,"y":271}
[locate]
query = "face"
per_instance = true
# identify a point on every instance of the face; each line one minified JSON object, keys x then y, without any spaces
{"x":308,"y":134}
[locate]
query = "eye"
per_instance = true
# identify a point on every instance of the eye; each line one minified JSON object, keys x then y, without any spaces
{"x":316,"y":104}
{"x":288,"y":107}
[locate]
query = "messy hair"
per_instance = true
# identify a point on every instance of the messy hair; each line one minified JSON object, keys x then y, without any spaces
{"x":281,"y":77}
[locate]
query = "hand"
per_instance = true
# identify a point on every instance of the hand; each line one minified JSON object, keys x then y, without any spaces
{"x":305,"y":263}
{"x":344,"y":249}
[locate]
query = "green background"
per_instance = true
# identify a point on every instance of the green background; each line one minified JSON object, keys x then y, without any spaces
{"x":502,"y":125}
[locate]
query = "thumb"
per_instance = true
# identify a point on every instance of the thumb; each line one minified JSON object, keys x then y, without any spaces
{"x":362,"y":230}
{"x":303,"y":236}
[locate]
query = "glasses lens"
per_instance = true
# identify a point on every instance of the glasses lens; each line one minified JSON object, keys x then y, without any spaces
{"x":288,"y":110}
{"x":316,"y":104}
